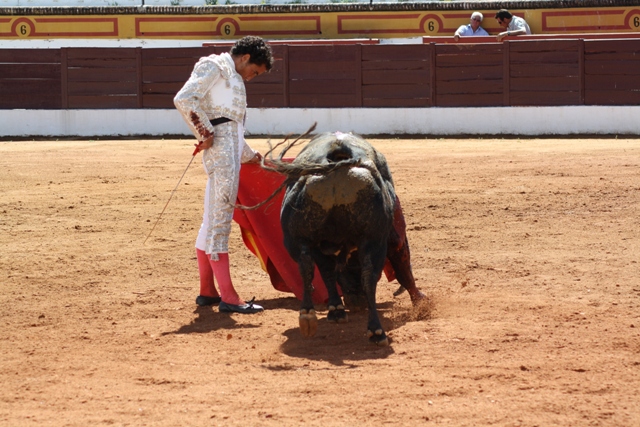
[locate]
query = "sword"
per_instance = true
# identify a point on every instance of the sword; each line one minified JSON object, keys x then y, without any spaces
{"x":193,"y":156}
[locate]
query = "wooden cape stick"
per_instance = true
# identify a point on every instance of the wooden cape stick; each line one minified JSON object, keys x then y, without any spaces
{"x":171,"y":195}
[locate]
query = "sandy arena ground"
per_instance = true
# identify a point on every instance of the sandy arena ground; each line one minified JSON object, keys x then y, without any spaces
{"x":528,"y":249}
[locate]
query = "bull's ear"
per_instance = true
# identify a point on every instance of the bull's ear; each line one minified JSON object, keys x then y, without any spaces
{"x":383,"y":166}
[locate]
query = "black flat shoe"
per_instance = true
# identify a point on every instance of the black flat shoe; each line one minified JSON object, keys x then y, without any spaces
{"x":248,"y":308}
{"x":203,"y":301}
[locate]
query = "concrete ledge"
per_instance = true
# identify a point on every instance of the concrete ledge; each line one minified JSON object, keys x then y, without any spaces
{"x":531,"y":121}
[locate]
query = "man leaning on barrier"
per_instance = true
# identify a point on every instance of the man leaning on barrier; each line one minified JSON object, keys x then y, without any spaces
{"x":473,"y":28}
{"x":514,"y":25}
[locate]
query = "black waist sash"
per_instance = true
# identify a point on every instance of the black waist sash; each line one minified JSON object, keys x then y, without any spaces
{"x":219,"y":121}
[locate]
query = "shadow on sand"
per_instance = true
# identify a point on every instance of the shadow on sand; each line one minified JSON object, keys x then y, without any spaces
{"x":340,"y":344}
{"x":345,"y":344}
{"x":209,"y":319}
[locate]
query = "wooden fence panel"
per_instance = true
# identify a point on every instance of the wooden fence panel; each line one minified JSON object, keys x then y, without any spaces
{"x":396,"y":76}
{"x":103,"y":101}
{"x":612,"y":72}
{"x":491,"y":72}
{"x":457,"y":55}
{"x":30,"y":79}
{"x":324,"y":76}
{"x":517,"y":72}
{"x":542,"y":98}
{"x":545,"y":72}
{"x":469,"y":75}
{"x":542,"y":70}
{"x":270,"y":89}
{"x":22,"y":71}
{"x":102,"y":77}
{"x":619,"y":83}
{"x":545,"y":83}
{"x":30,"y":56}
{"x":165,"y":71}
{"x":81,"y":88}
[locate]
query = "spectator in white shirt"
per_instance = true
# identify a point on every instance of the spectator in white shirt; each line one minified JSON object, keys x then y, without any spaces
{"x":473,"y":28}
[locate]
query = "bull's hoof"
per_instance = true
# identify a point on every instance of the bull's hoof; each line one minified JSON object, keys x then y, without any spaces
{"x":337,"y":314}
{"x":417,"y":297}
{"x":378,"y":338}
{"x":308,"y":322}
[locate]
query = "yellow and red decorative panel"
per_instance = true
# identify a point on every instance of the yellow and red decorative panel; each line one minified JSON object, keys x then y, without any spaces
{"x":299,"y":25}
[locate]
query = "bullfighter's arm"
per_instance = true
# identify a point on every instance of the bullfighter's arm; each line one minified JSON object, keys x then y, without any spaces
{"x":189,"y":99}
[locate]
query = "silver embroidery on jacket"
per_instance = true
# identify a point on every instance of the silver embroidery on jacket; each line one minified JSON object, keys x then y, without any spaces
{"x":216,"y":90}
{"x":222,"y":164}
{"x":205,"y":97}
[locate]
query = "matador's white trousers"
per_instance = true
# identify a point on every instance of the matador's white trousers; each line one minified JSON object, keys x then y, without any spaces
{"x":222,"y":164}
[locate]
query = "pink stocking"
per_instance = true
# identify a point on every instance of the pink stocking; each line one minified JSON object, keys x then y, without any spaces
{"x":207,"y":286}
{"x":223,"y":276}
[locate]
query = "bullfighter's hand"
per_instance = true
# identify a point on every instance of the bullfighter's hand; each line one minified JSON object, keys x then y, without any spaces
{"x":203,"y":145}
{"x":256,"y":159}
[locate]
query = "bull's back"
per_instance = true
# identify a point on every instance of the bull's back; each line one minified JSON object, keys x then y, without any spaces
{"x":345,"y":187}
{"x":350,"y":203}
{"x":347,"y":204}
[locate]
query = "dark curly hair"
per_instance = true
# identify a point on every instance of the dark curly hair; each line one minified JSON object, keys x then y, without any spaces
{"x":503,"y":14}
{"x":259,"y":51}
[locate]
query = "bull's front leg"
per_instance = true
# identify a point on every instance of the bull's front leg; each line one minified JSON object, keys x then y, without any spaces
{"x":308,"y":319}
{"x":327,"y":268}
{"x":369,"y":282}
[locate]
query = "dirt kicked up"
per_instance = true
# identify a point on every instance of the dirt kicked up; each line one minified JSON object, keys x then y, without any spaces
{"x":529,"y":250}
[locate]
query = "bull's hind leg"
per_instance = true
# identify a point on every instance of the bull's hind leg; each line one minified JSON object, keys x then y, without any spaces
{"x":308,"y":319}
{"x":400,"y":260}
{"x":372,"y":261}
{"x":327,"y":268}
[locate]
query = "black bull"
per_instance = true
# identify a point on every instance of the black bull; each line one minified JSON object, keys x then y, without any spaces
{"x":339,"y":212}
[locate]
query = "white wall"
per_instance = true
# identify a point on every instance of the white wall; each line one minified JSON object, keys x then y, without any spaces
{"x":572,"y":120}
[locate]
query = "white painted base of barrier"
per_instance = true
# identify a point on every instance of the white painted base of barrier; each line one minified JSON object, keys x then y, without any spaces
{"x":566,"y":120}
